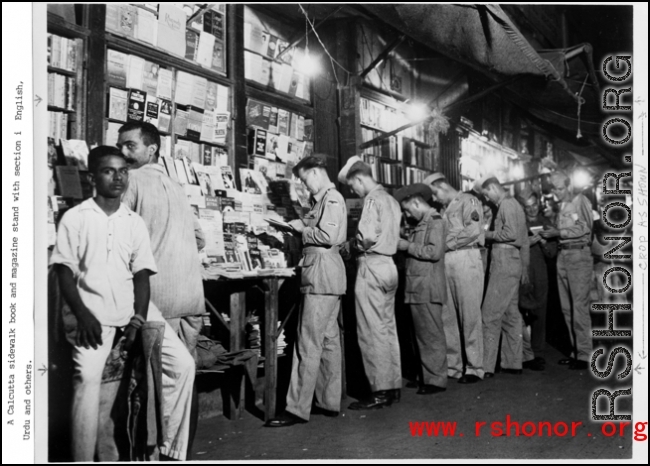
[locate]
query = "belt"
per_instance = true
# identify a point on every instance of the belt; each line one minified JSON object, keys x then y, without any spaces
{"x":473,"y":246}
{"x":309,"y":250}
{"x":572,"y":246}
{"x":366,"y":255}
{"x":503,"y":246}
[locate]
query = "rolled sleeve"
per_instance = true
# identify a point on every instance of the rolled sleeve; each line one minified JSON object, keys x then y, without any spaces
{"x":141,"y":256}
{"x":66,"y":249}
{"x":507,"y":233}
{"x":369,"y":228}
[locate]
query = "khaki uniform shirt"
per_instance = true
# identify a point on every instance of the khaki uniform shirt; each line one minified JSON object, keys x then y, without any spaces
{"x":425,"y":265}
{"x":322,"y":269}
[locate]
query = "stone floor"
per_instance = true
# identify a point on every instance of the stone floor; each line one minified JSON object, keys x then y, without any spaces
{"x":556,"y":395}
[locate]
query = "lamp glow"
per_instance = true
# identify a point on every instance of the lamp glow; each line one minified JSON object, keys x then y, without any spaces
{"x":518,"y":172}
{"x":308,"y":65}
{"x":417,"y":112}
{"x":581,"y":179}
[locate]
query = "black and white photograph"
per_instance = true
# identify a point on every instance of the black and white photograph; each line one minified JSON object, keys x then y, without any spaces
{"x":485,"y":300}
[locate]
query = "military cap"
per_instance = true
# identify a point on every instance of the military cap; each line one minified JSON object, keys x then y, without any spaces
{"x":559,"y":179}
{"x":478,"y":184}
{"x":429,"y":180}
{"x":346,"y":168}
{"x":420,"y":189}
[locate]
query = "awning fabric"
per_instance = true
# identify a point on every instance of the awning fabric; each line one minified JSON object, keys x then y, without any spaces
{"x":556,"y":86}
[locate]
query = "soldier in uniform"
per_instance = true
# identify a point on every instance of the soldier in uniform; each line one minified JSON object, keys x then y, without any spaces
{"x":574,"y":267}
{"x":376,"y":283}
{"x":509,"y":267}
{"x":316,"y":368}
{"x":465,"y":277}
{"x":426,"y":287}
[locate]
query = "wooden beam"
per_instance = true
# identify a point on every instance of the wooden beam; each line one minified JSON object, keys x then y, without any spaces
{"x":200,"y":12}
{"x":449,"y":107}
{"x":383,"y":55}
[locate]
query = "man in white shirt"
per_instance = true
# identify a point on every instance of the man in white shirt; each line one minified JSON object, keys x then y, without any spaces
{"x":103,"y":260}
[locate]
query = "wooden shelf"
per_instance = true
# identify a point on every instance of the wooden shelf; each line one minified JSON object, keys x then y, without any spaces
{"x":408,"y":165}
{"x":52,"y":69}
{"x":374,"y":128}
{"x":151,"y":53}
{"x":54,"y":108}
{"x":257,"y":91}
{"x":266,"y":57}
{"x":385,"y":159}
{"x":59,"y":26}
{"x":382,"y":98}
{"x":198,"y":141}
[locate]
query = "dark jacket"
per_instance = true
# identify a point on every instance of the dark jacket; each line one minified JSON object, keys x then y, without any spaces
{"x":425,"y":265}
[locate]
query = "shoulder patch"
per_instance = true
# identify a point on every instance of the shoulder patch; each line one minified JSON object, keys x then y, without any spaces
{"x":333,"y":201}
{"x":475,"y":216}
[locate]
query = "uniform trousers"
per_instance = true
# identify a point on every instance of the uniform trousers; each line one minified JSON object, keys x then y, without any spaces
{"x":374,"y":294}
{"x":574,"y":272}
{"x":500,"y":311}
{"x":316,"y":368}
{"x":462,"y":312}
{"x":179,"y":369}
{"x":430,"y":335}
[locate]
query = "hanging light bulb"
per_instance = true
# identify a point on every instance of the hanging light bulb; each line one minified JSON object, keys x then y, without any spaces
{"x":308,"y":65}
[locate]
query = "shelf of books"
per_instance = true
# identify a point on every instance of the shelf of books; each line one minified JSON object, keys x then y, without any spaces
{"x":192,"y":34}
{"x":270,"y":63}
{"x":67,"y":150}
{"x":404,"y":158}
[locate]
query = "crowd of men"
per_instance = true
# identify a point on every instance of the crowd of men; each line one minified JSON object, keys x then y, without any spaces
{"x":129,"y":256}
{"x":460,"y":328}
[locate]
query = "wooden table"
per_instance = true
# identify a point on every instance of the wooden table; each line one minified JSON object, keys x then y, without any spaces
{"x":237,"y":288}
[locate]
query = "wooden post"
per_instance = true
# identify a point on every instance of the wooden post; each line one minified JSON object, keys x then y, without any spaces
{"x":96,"y":76}
{"x":270,"y":346}
{"x":236,"y":74}
{"x":237,"y":337}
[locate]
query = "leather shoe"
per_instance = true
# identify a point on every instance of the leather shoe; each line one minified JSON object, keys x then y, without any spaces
{"x":566,"y":361}
{"x":533,"y":365}
{"x":579,"y":366}
{"x":488,"y":375}
{"x":428,"y":389}
{"x":375,"y":401}
{"x":512,"y":371}
{"x":285,"y":419}
{"x":469,"y":378}
{"x":412,"y":384}
{"x":324,"y":412}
